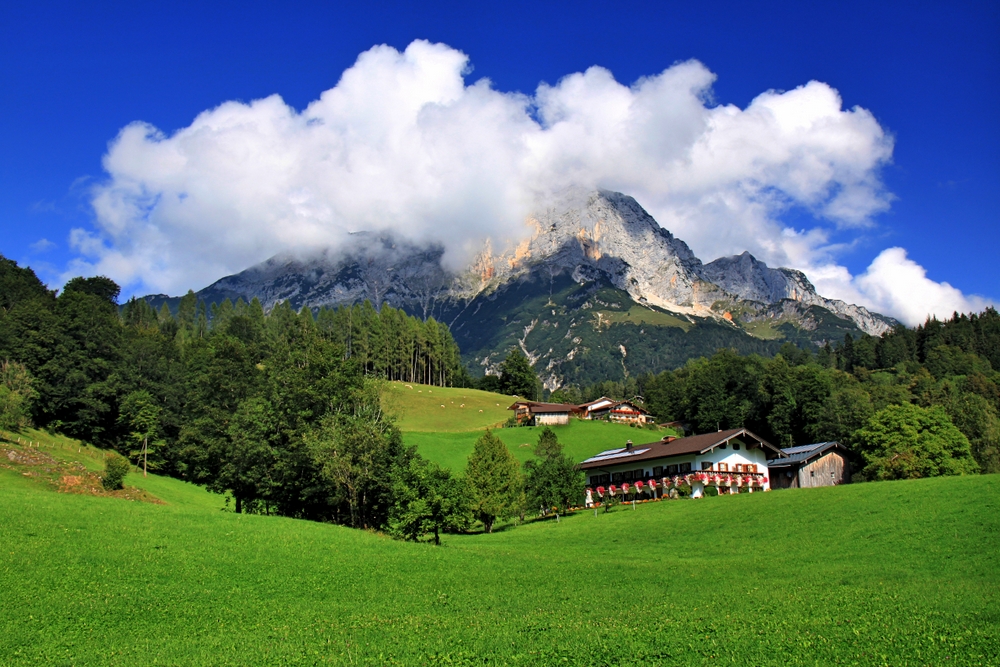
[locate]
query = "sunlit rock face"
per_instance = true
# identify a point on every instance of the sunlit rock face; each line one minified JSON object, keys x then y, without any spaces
{"x":611,"y":235}
{"x":596,"y":236}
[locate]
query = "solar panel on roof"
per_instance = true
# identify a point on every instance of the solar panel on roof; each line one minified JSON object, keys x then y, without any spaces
{"x":621,"y":453}
{"x":804,"y":448}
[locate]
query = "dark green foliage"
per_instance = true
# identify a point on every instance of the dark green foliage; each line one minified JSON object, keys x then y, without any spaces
{"x":907,"y":441}
{"x":116,"y":467}
{"x":428,"y":500}
{"x":273,"y":409}
{"x":551,"y":480}
{"x":17,"y":394}
{"x":389,"y":343}
{"x":834,"y":394}
{"x":104,"y":289}
{"x":494,"y":478}
{"x":356,"y":454}
{"x":517,"y":378}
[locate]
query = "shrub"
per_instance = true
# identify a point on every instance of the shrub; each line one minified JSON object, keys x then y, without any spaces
{"x":115,"y":469}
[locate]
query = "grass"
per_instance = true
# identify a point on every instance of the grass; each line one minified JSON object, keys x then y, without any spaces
{"x":580,"y":439}
{"x":417,"y":408}
{"x":641,"y":315}
{"x":446,"y":435}
{"x":900,"y":573}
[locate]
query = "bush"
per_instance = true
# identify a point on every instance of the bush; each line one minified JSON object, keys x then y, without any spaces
{"x":115,"y":469}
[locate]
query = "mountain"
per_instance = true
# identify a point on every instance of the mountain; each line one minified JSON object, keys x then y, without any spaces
{"x":597,"y":291}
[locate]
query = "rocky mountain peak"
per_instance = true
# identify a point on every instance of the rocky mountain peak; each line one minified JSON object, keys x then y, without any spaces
{"x":589,"y":236}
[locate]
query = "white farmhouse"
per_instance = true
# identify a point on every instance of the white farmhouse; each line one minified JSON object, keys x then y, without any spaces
{"x":727,"y":460}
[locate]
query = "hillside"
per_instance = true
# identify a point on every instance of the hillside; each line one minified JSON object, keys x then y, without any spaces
{"x":898,"y":573}
{"x":444,"y":423}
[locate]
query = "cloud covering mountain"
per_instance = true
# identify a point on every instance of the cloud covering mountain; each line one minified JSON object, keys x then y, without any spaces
{"x":404,"y":143}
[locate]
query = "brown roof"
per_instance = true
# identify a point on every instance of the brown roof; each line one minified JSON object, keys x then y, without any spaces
{"x":584,"y":406}
{"x":535,"y":406}
{"x":696,"y":444}
{"x":618,"y":404}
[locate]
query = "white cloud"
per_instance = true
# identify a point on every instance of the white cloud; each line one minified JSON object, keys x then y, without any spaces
{"x":403,"y":142}
{"x":895,"y":284}
{"x":42,"y":245}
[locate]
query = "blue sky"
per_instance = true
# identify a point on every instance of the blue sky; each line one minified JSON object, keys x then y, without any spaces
{"x":73,"y":76}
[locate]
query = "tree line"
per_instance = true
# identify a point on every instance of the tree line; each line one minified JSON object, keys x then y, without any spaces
{"x":279,"y":410}
{"x":914,"y":402}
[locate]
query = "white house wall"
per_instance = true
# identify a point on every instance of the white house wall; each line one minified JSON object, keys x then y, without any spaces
{"x":731,"y":458}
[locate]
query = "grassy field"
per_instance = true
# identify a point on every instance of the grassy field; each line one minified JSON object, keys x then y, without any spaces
{"x":895,"y":573}
{"x":580,"y":440}
{"x":418,"y":408}
{"x":640,"y":315}
{"x":446,"y":435}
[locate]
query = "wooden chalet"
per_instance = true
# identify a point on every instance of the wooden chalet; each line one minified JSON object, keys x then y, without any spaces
{"x":727,"y":460}
{"x":806,"y":466}
{"x":626,"y":412}
{"x":534,"y":413}
{"x":587,"y":410}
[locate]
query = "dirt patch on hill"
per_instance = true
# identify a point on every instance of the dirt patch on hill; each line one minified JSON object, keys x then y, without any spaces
{"x":63,"y":476}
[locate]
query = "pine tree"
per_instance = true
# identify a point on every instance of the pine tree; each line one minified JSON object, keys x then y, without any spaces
{"x":516,"y":375}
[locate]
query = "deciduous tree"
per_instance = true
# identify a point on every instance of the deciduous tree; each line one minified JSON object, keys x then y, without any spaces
{"x":494,"y":477}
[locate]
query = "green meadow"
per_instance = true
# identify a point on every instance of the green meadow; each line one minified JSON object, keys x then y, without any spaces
{"x":892,"y":573}
{"x":446,"y":434}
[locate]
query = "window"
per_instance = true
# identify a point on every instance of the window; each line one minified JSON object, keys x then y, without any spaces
{"x":723,"y":467}
{"x":628,"y":476}
{"x":738,"y":467}
{"x":750,"y":467}
{"x":706,"y":465}
{"x":685,"y":467}
{"x":672,"y":470}
{"x":639,"y":474}
{"x":723,"y":445}
{"x":736,"y":446}
{"x":658,"y":471}
{"x":812,"y":473}
{"x":616,"y":478}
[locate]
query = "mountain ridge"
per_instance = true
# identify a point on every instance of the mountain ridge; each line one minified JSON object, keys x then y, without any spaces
{"x":599,"y":241}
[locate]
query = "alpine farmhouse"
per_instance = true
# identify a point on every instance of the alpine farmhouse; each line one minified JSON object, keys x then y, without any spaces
{"x":727,"y":460}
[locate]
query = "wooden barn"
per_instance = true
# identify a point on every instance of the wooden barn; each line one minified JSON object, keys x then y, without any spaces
{"x":534,"y":413}
{"x":806,"y":466}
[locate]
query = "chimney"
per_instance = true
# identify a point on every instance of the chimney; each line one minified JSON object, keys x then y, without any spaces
{"x":669,"y":438}
{"x":628,"y":445}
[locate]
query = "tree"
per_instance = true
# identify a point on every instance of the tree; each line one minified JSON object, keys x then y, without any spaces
{"x":246,"y":470}
{"x":427,"y":499}
{"x":517,"y":378}
{"x":356,"y":455}
{"x":494,"y":476}
{"x":16,"y":396}
{"x":977,"y":419}
{"x":907,"y":441}
{"x":551,"y":479}
{"x":140,"y":413}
